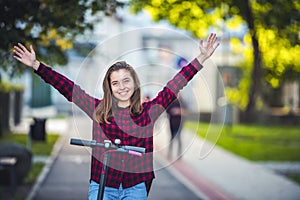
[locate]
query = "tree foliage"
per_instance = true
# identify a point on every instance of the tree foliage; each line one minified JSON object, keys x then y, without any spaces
{"x":50,"y":26}
{"x":270,"y":46}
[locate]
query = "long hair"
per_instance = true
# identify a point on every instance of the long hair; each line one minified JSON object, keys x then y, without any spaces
{"x":104,"y":110}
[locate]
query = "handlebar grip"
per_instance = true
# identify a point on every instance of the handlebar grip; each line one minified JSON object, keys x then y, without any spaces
{"x":82,"y":142}
{"x":136,"y":149}
{"x":135,"y":153}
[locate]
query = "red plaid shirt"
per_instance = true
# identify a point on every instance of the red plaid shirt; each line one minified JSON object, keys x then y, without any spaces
{"x":134,"y":130}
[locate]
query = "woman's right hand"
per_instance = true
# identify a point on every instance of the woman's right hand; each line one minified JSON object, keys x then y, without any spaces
{"x":26,"y":57}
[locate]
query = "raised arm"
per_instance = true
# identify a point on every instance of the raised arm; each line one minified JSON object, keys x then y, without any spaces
{"x":65,"y":86}
{"x":180,"y":80}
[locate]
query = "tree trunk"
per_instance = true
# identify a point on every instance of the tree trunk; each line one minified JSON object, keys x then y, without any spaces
{"x":255,"y":86}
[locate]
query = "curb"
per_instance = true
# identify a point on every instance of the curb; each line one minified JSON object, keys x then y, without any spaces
{"x":56,"y":149}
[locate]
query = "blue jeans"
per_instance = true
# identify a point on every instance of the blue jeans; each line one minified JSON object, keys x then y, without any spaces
{"x":135,"y":192}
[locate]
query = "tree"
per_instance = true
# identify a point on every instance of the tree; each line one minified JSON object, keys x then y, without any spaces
{"x":269,"y":47}
{"x":50,"y":26}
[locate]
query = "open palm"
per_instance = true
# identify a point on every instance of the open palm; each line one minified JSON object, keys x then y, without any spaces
{"x":23,"y":55}
{"x":207,"y":49}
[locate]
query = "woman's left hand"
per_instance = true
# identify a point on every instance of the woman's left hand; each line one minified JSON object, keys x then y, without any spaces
{"x":206,"y":50}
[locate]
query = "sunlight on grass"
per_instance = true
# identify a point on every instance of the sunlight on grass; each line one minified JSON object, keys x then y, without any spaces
{"x":37,"y":147}
{"x":255,"y":142}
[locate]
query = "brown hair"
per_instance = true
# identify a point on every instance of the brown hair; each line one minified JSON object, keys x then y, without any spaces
{"x":104,"y":110}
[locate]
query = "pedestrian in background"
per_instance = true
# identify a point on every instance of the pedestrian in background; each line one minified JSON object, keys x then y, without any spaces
{"x":176,"y":114}
{"x":122,"y":114}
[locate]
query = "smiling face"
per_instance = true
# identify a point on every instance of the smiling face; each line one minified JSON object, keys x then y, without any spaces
{"x":122,"y":86}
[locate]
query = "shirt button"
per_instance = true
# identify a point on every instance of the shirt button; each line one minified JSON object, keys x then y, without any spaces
{"x":122,"y":161}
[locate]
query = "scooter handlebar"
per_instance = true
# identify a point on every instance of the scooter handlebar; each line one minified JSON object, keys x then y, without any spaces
{"x":92,"y":143}
{"x":79,"y":142}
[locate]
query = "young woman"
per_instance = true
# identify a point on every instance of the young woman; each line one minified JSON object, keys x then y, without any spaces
{"x":121,"y":115}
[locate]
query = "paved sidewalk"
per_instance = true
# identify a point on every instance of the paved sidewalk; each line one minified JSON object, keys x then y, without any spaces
{"x":227,"y":174}
{"x":241,"y":178}
{"x":67,"y":171}
{"x":220,"y":175}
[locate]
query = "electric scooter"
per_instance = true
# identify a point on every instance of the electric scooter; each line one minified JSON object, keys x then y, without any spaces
{"x":109,"y":146}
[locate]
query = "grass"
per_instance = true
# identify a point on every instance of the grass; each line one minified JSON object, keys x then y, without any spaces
{"x":34,"y":173}
{"x":38,"y":148}
{"x":254,"y":142}
{"x":294,"y":177}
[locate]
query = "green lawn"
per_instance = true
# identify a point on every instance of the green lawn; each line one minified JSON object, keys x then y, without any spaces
{"x":37,"y":147}
{"x":254,"y":142}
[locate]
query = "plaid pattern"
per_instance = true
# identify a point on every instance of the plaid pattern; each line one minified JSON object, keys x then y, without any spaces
{"x":134,"y":130}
